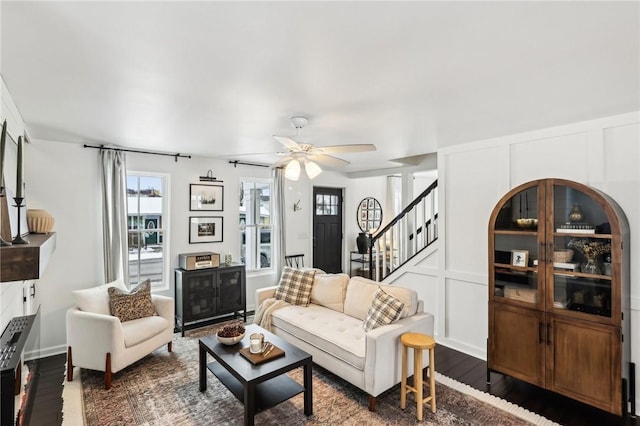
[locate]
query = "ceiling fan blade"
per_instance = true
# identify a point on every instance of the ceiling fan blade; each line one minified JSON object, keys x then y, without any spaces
{"x":337,"y":149}
{"x":328,"y":159}
{"x":288,"y":143}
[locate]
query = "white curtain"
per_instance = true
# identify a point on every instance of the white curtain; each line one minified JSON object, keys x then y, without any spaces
{"x":279,"y":235}
{"x":114,"y":215}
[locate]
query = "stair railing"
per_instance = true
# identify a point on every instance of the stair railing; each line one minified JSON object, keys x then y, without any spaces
{"x":406,"y":235}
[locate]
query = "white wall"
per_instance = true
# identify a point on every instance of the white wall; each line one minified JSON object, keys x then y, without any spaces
{"x":601,"y":153}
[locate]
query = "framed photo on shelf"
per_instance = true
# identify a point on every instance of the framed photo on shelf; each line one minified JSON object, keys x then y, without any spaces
{"x":520,"y":258}
{"x":206,"y":197}
{"x":205,"y":229}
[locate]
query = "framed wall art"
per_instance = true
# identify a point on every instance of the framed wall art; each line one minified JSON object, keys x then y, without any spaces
{"x":519,"y":258}
{"x":205,"y":229}
{"x":205,"y":197}
{"x":369,"y":215}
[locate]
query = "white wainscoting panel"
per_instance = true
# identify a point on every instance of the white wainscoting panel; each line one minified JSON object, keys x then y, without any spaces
{"x":472,"y":182}
{"x":467,"y":316}
{"x":559,"y":157}
{"x":622,"y":183}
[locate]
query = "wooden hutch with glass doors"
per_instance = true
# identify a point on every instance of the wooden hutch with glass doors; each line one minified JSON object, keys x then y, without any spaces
{"x":559,"y":293}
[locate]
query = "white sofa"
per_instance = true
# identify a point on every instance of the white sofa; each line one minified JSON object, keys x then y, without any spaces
{"x":97,"y":340}
{"x":331,"y":329}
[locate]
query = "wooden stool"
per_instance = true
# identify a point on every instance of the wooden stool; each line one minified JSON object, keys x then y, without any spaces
{"x":418,"y":342}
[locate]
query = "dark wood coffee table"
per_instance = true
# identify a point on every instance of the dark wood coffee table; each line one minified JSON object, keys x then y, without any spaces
{"x":261,"y":386}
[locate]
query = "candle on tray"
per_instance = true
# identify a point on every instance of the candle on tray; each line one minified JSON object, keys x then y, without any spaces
{"x":19,"y":177}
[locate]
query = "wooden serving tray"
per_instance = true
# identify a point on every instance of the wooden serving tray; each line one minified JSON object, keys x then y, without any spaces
{"x":256,"y":359}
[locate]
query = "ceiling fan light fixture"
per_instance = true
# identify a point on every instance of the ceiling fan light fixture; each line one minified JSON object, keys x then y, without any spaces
{"x":292,"y":171}
{"x":312,"y":169}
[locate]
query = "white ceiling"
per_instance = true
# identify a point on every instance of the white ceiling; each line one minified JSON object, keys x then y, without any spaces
{"x":220,"y":78}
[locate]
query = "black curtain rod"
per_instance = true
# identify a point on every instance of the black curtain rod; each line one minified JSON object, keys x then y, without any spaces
{"x":242,"y":163}
{"x":166,"y":154}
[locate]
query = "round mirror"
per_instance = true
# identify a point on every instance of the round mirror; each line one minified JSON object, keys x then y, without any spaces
{"x":369,"y":215}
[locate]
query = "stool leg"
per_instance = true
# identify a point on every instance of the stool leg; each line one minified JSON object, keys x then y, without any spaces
{"x":403,"y":386}
{"x":432,"y":378}
{"x":417,"y":380}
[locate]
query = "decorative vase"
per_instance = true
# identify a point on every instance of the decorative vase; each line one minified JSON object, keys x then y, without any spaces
{"x":590,"y":265}
{"x":363,"y":241}
{"x":39,"y":221}
{"x":576,"y":215}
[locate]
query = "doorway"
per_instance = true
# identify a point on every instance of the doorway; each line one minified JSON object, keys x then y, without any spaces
{"x":327,"y":229}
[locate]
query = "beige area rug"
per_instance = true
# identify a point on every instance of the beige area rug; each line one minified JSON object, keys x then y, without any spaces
{"x":162,"y":389}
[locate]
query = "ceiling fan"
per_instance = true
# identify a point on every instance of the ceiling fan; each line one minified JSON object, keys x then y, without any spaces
{"x":309,"y":154}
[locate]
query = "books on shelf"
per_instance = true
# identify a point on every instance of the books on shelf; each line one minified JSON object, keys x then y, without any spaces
{"x":576,"y":228}
{"x":575,"y":231}
{"x":569,"y":266}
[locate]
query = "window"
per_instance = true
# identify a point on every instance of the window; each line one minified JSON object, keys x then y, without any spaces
{"x":255,"y":224}
{"x":147,"y":218}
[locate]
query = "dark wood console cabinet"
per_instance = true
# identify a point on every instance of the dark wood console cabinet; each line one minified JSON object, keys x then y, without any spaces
{"x":203,"y":296}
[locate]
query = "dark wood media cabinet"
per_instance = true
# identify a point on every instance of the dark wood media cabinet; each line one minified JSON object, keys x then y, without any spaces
{"x":205,"y":296}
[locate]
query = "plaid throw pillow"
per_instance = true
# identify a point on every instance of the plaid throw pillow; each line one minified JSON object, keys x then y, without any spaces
{"x":384,"y":309}
{"x":134,"y":305}
{"x":295,"y":286}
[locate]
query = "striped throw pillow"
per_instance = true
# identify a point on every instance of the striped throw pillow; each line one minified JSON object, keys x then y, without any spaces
{"x":384,"y":310}
{"x":295,"y":286}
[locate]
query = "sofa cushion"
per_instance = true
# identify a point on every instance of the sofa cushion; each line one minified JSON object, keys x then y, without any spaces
{"x":295,"y":286}
{"x":333,"y":332}
{"x":360,"y":292}
{"x":384,"y":310}
{"x":130,"y":306}
{"x":96,"y":299}
{"x":138,"y":330}
{"x":329,"y":289}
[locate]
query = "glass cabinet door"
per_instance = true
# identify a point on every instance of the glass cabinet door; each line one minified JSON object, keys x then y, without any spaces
{"x":230,"y":293}
{"x":516,"y":248}
{"x":199,"y":294}
{"x":580,"y":253}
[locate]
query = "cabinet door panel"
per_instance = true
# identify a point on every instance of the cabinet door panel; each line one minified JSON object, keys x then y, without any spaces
{"x":199,"y":296}
{"x":583,"y":362}
{"x":516,"y":345}
{"x":231,"y":291}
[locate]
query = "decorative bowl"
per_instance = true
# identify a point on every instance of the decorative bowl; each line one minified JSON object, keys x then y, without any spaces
{"x":39,"y":221}
{"x":562,"y":256}
{"x":230,"y":340}
{"x":527,"y":222}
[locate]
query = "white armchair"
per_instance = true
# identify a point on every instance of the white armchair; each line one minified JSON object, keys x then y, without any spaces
{"x":96,"y":340}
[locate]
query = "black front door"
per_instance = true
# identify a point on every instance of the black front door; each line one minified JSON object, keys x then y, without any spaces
{"x":327,"y":229}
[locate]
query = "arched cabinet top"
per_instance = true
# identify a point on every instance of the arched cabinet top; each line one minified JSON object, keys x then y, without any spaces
{"x":559,"y":204}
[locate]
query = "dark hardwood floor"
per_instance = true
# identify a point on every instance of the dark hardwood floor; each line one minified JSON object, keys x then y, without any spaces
{"x":464,"y":368}
{"x":47,"y":404}
{"x":473,"y":372}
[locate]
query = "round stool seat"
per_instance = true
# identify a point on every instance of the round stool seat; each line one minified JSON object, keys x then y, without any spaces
{"x":418,"y":341}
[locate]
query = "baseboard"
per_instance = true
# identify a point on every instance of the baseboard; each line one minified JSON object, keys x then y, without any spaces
{"x":45,"y":352}
{"x":473,"y":351}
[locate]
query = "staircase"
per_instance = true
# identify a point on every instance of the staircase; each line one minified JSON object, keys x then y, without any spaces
{"x":414,"y":229}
